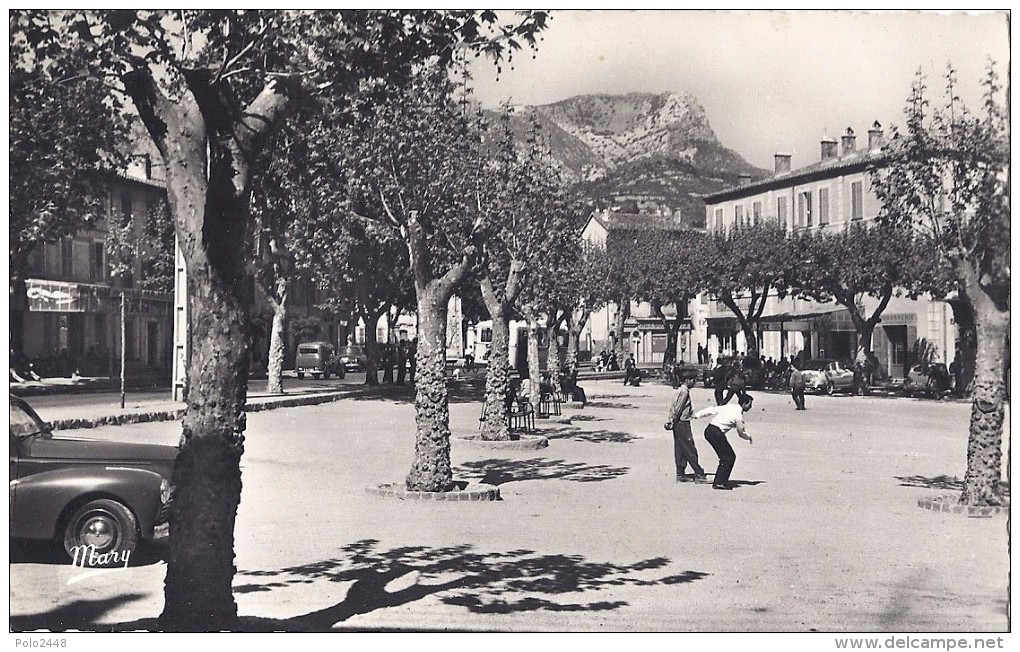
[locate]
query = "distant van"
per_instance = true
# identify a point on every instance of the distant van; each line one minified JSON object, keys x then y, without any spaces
{"x":317,"y":359}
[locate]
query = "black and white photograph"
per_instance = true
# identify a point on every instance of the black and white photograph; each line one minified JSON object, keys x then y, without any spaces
{"x":448,"y":323}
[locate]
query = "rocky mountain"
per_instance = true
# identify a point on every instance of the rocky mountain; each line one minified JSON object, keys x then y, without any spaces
{"x":657,"y":152}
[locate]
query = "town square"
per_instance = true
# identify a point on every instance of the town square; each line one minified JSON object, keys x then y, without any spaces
{"x":459,"y":321}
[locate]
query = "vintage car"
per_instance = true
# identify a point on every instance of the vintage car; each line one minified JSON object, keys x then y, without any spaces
{"x":352,"y":358}
{"x":318,"y":359}
{"x":827,"y":375}
{"x":934,"y":378}
{"x":99,"y":498}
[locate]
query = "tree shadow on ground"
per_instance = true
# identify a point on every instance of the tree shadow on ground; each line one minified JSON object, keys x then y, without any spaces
{"x":586,"y":417}
{"x":500,"y":471}
{"x":946,"y":482}
{"x":482,"y":583}
{"x":78,"y":615}
{"x":465,"y":391}
{"x":611,"y":405}
{"x":592,"y":436}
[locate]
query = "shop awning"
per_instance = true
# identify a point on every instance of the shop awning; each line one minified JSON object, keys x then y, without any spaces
{"x":61,"y":296}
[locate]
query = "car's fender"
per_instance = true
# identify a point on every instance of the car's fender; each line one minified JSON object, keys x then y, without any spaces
{"x":41,"y":501}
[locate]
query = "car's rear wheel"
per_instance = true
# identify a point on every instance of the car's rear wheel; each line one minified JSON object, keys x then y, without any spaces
{"x":830,"y":389}
{"x":99,"y":533}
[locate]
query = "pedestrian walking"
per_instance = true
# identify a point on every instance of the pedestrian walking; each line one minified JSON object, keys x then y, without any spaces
{"x":684,"y":450}
{"x":724,"y":419}
{"x":719,"y":375}
{"x":797,"y":386}
{"x":737,"y":382}
{"x":629,"y":367}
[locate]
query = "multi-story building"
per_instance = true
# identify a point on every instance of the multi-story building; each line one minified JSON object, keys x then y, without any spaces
{"x":643,"y":332}
{"x":74,"y":317}
{"x":824,"y":196}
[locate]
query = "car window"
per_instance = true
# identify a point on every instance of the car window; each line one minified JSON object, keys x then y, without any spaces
{"x":23,"y":423}
{"x":308,"y":350}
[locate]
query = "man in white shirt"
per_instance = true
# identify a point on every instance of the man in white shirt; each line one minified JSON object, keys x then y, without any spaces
{"x":725,"y":418}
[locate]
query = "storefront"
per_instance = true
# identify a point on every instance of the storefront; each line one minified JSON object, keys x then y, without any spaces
{"x":77,"y":327}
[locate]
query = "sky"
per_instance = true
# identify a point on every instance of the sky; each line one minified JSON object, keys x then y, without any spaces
{"x":770,"y":81}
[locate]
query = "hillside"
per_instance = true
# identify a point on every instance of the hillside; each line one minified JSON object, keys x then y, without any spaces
{"x":656,"y":151}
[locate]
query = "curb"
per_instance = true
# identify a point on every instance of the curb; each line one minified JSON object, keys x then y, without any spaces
{"x":473,"y":492}
{"x":177,"y":413}
{"x":950,"y":503}
{"x":523,"y":443}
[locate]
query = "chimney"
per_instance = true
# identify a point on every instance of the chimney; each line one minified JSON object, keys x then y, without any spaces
{"x":875,"y":137}
{"x":828,"y":148}
{"x":849,"y":142}
{"x":783,"y":163}
{"x":743,"y":179}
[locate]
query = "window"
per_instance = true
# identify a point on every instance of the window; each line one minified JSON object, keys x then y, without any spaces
{"x":738,"y":215}
{"x":97,"y":262}
{"x":781,"y":211}
{"x":823,"y":206}
{"x":804,"y":217}
{"x":857,"y":200}
{"x":756,"y":212}
{"x":718,"y":218}
{"x":67,"y":258}
{"x":486,"y":335}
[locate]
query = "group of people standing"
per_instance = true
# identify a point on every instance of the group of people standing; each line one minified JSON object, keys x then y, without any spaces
{"x":724,"y":418}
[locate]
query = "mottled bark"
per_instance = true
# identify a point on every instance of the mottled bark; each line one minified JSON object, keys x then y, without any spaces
{"x":274,"y":382}
{"x":988,"y":394}
{"x":497,"y":381}
{"x":207,"y":146}
{"x":431,"y":470}
{"x":576,"y":320}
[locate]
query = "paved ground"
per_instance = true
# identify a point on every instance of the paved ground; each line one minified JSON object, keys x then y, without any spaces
{"x":592,"y":534}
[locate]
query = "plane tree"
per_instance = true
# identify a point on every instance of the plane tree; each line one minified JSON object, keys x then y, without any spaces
{"x":667,"y":271}
{"x":743,"y":267}
{"x":846,"y":265}
{"x":947,"y":176}
{"x":528,"y":218}
{"x":65,"y":136}
{"x":211,"y":87}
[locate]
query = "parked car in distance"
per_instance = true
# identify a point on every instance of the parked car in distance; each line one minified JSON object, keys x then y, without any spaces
{"x":99,"y":498}
{"x":317,"y":359}
{"x":827,"y":375}
{"x":929,"y":377}
{"x":352,"y":358}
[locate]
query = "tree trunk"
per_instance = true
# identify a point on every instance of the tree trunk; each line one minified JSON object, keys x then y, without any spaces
{"x":622,"y":312}
{"x":431,"y":470}
{"x":207,"y":146}
{"x":552,"y":355}
{"x":207,"y":474}
{"x":534,"y":373}
{"x":988,"y":394}
{"x":966,"y":334}
{"x":576,"y":320}
{"x":497,"y":379}
{"x":371,"y":351}
{"x":274,"y":382}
